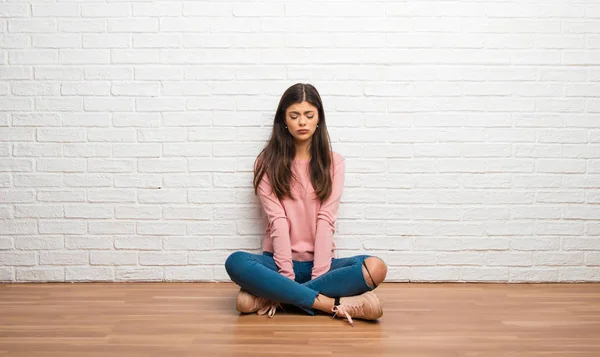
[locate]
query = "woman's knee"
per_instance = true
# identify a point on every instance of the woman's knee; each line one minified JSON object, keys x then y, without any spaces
{"x":234,"y":261}
{"x":375,"y":271}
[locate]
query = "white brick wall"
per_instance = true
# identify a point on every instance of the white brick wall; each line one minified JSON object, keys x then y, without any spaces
{"x":471,"y":131}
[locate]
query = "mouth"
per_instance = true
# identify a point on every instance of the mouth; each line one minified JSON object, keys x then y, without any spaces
{"x":303,"y":131}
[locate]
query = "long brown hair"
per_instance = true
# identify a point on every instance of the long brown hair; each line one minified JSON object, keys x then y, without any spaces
{"x":276,"y":158}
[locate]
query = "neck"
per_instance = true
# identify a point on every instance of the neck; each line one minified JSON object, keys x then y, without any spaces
{"x":303,"y":150}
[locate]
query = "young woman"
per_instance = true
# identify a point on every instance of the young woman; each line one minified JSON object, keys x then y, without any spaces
{"x":299,"y":181}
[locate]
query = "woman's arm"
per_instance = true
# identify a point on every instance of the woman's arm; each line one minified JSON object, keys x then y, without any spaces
{"x":280,"y":229}
{"x":326,"y":222}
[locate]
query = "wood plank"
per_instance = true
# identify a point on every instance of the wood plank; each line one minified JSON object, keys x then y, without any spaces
{"x":199,"y":319}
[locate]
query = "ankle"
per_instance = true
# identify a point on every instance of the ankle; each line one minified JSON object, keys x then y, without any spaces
{"x":323,"y":303}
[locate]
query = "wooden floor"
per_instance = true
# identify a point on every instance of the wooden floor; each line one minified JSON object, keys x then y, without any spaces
{"x":199,"y":319}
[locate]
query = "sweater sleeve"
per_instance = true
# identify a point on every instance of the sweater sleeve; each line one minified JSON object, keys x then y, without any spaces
{"x":326,"y":222}
{"x":280,"y":229}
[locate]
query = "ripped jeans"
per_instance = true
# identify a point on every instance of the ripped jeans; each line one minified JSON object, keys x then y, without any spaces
{"x":258,"y":274}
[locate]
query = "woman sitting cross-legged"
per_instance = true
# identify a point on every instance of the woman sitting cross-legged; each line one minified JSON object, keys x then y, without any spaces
{"x":300,"y":180}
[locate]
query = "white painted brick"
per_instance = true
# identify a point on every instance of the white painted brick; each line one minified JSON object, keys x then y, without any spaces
{"x":62,"y":227}
{"x":476,"y":274}
{"x":508,"y":259}
{"x":16,"y":104}
{"x":563,"y":136}
{"x":108,"y":73}
{"x":576,"y":274}
{"x":111,"y":195}
{"x":162,"y":229}
{"x":139,"y":274}
{"x":560,"y":166}
{"x":88,"y":211}
{"x":410,"y":259}
{"x":592,"y":259}
{"x":185,"y":25}
{"x":81,"y":26}
{"x":6,"y":243}
{"x":138,"y":212}
{"x":557,"y":258}
{"x":58,"y":73}
{"x":188,"y":180}
{"x":106,"y":41}
{"x":111,"y":227}
{"x":156,"y":41}
{"x":37,"y":150}
{"x":157,"y":9}
{"x":162,"y":165}
{"x":162,"y":196}
{"x":138,"y":243}
{"x":89,"y":242}
{"x":191,"y":273}
{"x":111,"y":135}
{"x":105,"y":10}
{"x":536,"y":180}
{"x":133,"y":25}
{"x":188,"y":243}
{"x":560,"y":197}
{"x":559,"y":228}
{"x":113,"y":258}
{"x":211,"y":165}
{"x":588,"y":181}
{"x":211,"y":228}
{"x":86,"y":150}
{"x":136,"y":119}
{"x":86,"y":56}
{"x":138,"y":181}
{"x":532,"y":275}
{"x":35,"y":119}
{"x":573,"y":243}
{"x":85,"y":89}
{"x":61,"y":135}
{"x":89,"y":274}
{"x":431,"y":274}
{"x":487,"y":181}
{"x":135,"y":89}
{"x":7,"y":274}
{"x":38,"y":211}
{"x":17,"y":196}
{"x":56,"y":41}
{"x":216,"y":134}
{"x":187,"y":212}
{"x":110,"y":165}
{"x":212,"y":196}
{"x":61,"y":165}
{"x":32,"y":25}
{"x":137,"y":56}
{"x":110,"y":104}
{"x":208,"y":257}
{"x":45,"y":274}
{"x":31,"y":89}
{"x":63,"y":258}
{"x":39,"y":243}
{"x":88,"y":180}
{"x":17,"y":258}
{"x":533,"y":212}
{"x":59,"y":104}
{"x":162,"y":135}
{"x":163,"y":258}
{"x":61,"y":196}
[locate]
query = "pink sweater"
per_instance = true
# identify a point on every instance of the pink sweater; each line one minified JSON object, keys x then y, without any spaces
{"x":302,"y":229}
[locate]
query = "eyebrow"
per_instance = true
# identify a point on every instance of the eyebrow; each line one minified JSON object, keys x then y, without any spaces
{"x":306,"y":112}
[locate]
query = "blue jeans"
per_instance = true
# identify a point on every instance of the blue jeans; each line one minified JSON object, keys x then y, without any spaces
{"x":258,"y":274}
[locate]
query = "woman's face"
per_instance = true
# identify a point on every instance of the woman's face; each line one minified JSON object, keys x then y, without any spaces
{"x":301,"y":120}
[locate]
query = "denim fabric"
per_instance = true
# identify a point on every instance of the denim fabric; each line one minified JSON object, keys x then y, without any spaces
{"x":258,"y":274}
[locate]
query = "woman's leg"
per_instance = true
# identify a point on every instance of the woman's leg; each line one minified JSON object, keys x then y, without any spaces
{"x":258,"y":275}
{"x":350,"y":276}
